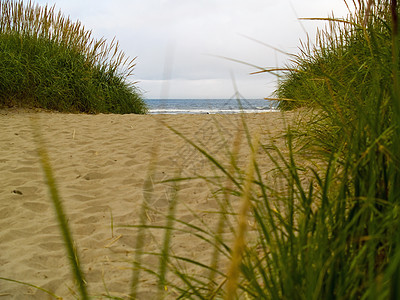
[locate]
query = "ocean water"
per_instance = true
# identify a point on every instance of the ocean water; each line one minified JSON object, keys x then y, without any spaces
{"x":208,"y":106}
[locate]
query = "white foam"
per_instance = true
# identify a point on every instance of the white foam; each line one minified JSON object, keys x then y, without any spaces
{"x":208,"y":111}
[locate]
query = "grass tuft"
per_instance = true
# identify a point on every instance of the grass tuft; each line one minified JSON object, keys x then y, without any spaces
{"x":61,"y":217}
{"x":48,"y":61}
{"x":329,"y":232}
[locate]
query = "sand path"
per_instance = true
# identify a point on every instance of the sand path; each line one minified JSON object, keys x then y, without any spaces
{"x":101,"y":164}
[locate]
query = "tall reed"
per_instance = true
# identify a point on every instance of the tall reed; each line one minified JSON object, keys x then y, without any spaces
{"x":60,"y":214}
{"x":334,"y":233}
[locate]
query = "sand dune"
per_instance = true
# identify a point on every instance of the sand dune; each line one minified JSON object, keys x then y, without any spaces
{"x":104,"y":166}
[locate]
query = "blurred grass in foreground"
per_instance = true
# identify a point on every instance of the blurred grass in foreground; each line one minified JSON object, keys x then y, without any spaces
{"x":336,"y":234}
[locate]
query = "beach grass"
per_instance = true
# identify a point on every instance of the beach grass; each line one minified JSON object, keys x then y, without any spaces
{"x":322,"y":230}
{"x":72,"y":252}
{"x":51,"y":62}
{"x":328,"y":232}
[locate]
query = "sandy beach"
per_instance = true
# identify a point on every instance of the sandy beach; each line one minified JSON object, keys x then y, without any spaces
{"x":105,"y":165}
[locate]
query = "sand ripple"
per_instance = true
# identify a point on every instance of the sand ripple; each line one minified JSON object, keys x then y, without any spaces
{"x":101,"y":164}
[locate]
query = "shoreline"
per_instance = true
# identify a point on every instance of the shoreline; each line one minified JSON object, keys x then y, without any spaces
{"x":236,"y":112}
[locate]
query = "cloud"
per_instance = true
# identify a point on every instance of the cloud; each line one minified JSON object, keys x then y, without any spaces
{"x":197,"y":31}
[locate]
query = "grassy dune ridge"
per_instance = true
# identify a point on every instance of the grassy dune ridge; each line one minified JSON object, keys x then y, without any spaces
{"x":48,"y":61}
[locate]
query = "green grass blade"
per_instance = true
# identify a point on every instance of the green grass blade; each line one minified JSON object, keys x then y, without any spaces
{"x":61,"y":218}
{"x":31,"y":285}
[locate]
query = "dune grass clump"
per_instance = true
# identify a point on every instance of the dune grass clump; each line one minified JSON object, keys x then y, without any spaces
{"x":332,"y":232}
{"x":48,"y":61}
{"x":343,"y":61}
{"x":338,"y":237}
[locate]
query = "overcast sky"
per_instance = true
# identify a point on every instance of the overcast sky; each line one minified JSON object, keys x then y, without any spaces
{"x":177,"y":41}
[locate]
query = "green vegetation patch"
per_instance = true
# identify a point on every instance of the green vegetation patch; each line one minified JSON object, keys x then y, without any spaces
{"x":47,"y":61}
{"x":342,"y":65}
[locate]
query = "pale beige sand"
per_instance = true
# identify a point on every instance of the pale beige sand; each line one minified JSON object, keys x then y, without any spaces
{"x":101,"y":163}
